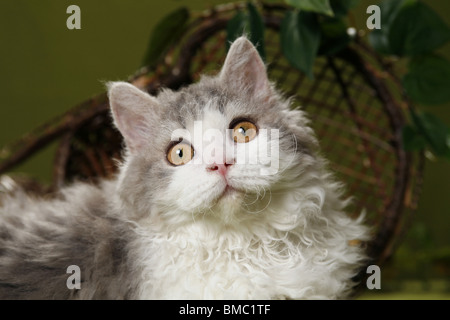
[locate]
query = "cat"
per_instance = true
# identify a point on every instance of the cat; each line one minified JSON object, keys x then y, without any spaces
{"x":186,"y":217}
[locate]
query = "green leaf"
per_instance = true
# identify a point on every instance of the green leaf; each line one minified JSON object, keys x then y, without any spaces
{"x":318,"y":6}
{"x":164,"y":34}
{"x":342,"y":7}
{"x":379,"y":41}
{"x":413,"y":140}
{"x":428,"y":80}
{"x":237,"y":26}
{"x":249,"y":23}
{"x":390,"y":8}
{"x":417,"y":29}
{"x":300,"y":39}
{"x":256,"y":29}
{"x":334,"y":36}
{"x":379,"y":38}
{"x":435,"y":132}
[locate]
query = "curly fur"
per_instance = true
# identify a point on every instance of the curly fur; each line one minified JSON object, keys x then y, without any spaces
{"x":164,"y":232}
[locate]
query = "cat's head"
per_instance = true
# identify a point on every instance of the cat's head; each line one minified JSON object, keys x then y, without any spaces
{"x":223,"y":148}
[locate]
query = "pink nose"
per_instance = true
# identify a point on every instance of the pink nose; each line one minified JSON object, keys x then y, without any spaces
{"x":221,"y":168}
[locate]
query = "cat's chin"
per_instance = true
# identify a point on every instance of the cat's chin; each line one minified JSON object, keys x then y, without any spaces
{"x":228,"y":204}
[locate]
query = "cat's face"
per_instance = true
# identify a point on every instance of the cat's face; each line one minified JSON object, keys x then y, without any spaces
{"x":220,"y":148}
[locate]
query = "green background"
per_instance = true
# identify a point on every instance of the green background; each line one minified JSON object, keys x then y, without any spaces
{"x":46,"y":69}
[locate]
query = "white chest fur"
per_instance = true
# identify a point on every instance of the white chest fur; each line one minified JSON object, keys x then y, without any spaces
{"x":194,"y":264}
{"x":234,"y":266}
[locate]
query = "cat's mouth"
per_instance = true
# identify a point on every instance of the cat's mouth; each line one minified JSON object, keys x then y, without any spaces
{"x":228,"y":192}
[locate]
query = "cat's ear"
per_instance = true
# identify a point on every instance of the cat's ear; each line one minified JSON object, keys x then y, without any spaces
{"x":135,"y":112}
{"x":244,"y":68}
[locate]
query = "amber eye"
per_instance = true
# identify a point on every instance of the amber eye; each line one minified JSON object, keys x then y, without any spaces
{"x":180,"y":153}
{"x":244,"y":131}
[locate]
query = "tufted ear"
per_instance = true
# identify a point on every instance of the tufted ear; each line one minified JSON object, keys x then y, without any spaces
{"x":135,"y":113}
{"x":244,"y":69}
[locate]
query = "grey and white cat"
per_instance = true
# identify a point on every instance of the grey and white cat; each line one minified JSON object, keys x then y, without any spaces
{"x":184,"y":222}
